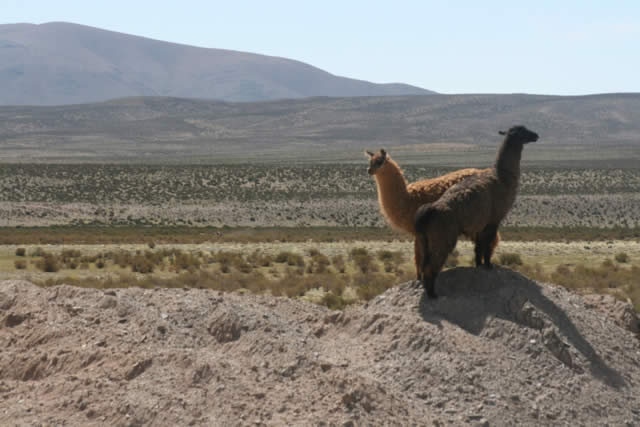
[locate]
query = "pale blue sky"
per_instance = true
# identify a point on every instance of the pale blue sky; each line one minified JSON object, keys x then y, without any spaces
{"x":547,"y":47}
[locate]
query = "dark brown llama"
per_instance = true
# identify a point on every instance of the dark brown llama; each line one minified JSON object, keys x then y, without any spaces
{"x":474,"y":207}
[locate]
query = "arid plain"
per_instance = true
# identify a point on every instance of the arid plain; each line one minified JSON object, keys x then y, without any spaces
{"x":564,"y":218}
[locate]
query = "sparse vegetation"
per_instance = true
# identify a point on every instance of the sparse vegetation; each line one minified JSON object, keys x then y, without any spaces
{"x":622,"y":257}
{"x":295,"y":275}
{"x":49,"y":263}
{"x":608,"y":278}
{"x":592,"y":205}
{"x":300,"y":195}
{"x":510,"y":259}
{"x":358,"y":274}
{"x":363,"y":260}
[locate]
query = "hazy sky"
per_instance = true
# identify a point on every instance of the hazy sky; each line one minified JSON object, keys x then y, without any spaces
{"x":546,"y":47}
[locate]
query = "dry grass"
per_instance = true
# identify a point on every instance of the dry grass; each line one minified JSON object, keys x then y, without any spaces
{"x":314,"y":276}
{"x":510,"y":259}
{"x":606,"y":278}
{"x":335,"y":274}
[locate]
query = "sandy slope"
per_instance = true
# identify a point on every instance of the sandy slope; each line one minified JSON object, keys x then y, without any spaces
{"x":495,"y":349}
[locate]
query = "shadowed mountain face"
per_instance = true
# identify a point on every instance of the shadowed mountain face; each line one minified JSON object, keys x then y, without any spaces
{"x":61,"y":63}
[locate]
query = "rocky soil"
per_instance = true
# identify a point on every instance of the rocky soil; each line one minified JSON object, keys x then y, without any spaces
{"x":494,"y":349}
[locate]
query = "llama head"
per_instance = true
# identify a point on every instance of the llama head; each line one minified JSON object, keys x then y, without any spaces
{"x":519,"y":135}
{"x":376,"y":160}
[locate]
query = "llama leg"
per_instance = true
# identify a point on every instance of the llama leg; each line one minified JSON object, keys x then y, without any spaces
{"x":418,"y":254}
{"x":494,"y":243}
{"x":428,"y":274}
{"x":479,"y":250}
{"x":421,"y":258}
{"x":429,"y":282}
{"x":489,"y":236}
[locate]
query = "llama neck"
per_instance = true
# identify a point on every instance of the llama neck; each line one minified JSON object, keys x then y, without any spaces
{"x":392,"y":191}
{"x":508,"y":161}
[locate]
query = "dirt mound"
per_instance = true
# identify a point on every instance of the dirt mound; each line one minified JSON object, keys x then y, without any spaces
{"x":495,"y":348}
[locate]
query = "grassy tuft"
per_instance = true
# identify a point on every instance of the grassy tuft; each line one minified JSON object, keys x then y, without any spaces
{"x":622,"y":257}
{"x":510,"y":259}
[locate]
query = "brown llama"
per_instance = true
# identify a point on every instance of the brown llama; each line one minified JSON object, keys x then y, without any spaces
{"x":399,"y":201}
{"x":475,"y":207}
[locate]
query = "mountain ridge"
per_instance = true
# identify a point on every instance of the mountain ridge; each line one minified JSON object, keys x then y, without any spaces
{"x":61,"y":63}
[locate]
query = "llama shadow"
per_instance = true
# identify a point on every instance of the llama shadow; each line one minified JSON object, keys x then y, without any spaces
{"x":470,"y":297}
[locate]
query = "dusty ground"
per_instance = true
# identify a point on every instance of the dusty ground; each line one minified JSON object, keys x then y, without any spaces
{"x":494,"y":349}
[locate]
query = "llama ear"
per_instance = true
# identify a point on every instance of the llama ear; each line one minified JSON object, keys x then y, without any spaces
{"x":369,"y":153}
{"x":501,"y":132}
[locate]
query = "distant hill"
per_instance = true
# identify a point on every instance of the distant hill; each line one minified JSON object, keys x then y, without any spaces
{"x":61,"y":63}
{"x":174,"y":128}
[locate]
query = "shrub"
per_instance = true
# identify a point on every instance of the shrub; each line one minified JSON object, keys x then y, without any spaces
{"x":185,"y":261}
{"x":225,"y":259}
{"x":622,"y":257}
{"x":141,"y":264}
{"x":37,"y":252}
{"x":89,"y":259}
{"x":295,"y":260}
{"x":385,"y":255}
{"x":282,"y":257}
{"x":259,"y":260}
{"x":608,"y":264}
{"x":510,"y":259}
{"x":362,"y":260}
{"x":390,"y":259}
{"x":334,"y":302}
{"x":20,"y":264}
{"x":21,"y":251}
{"x":48,"y":264}
{"x":241,"y":265}
{"x":338,"y":263}
{"x":265,"y":261}
{"x":313,"y":252}
{"x":319,"y":263}
{"x":70,"y":253}
{"x":368,"y":286}
{"x":358,"y":252}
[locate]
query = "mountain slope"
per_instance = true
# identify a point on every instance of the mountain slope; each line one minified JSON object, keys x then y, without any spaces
{"x":173,"y":128}
{"x":62,"y":63}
